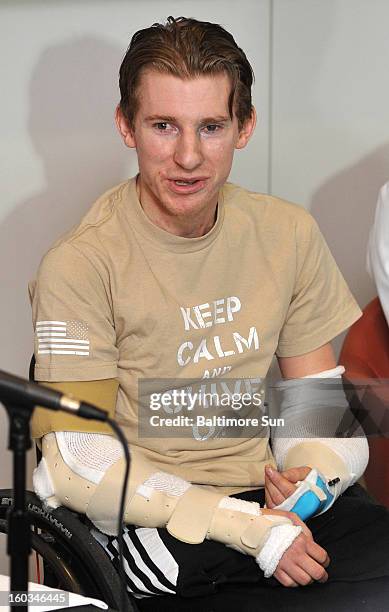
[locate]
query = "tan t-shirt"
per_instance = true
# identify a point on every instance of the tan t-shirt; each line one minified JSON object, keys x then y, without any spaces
{"x":118,"y":297}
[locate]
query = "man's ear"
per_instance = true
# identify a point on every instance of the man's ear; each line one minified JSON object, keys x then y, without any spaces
{"x":124,"y":129}
{"x":247,"y":130}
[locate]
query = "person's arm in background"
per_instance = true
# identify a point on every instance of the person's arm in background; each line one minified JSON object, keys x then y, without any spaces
{"x":378,"y":249}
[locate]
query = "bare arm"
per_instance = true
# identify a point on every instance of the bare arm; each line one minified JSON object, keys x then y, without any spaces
{"x":314,"y":362}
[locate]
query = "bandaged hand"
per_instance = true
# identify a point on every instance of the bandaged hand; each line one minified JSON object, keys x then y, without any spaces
{"x":303,"y":563}
{"x":301,"y":490}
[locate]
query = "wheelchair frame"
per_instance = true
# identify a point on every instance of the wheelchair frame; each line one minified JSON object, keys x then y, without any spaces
{"x":73,"y":559}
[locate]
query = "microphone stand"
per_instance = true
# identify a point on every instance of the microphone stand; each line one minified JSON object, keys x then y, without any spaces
{"x":19,"y":535}
{"x":19,"y":399}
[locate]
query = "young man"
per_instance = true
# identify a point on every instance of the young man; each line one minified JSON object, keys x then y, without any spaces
{"x":176,"y":274}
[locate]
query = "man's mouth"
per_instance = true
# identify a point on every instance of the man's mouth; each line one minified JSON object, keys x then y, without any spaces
{"x":181,"y":185}
{"x":182,"y":180}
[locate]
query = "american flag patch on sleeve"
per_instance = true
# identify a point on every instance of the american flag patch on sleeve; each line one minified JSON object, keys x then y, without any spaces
{"x":62,"y":337}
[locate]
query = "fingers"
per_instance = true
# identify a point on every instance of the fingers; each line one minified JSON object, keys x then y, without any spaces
{"x":284,"y":578}
{"x":318,"y":553}
{"x":278,"y":487}
{"x":315,"y":561}
{"x":299,"y":576}
{"x":295,"y":576}
{"x":297,"y":473}
{"x":269,"y":502}
{"x":274,"y":493}
{"x":316,"y":571}
{"x":299,"y":564}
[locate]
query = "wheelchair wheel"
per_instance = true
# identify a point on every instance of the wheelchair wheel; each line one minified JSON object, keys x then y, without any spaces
{"x":72,"y":559}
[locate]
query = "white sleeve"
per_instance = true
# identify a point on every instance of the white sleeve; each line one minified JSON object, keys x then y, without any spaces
{"x":378,"y":249}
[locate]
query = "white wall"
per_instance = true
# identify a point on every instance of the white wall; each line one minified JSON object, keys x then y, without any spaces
{"x":322,"y":140}
{"x":330,"y":119}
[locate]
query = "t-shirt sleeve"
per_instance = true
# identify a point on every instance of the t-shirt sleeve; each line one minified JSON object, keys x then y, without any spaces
{"x":75,"y":337}
{"x":321,"y":306}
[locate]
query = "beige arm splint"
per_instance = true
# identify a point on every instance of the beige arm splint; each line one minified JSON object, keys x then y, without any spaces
{"x":156,"y":499}
{"x":321,"y":455}
{"x":316,"y":454}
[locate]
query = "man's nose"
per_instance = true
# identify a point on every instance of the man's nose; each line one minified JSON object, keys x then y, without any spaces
{"x":188,"y":153}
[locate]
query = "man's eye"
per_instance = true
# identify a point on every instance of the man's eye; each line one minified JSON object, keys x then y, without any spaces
{"x":162,"y":126}
{"x":212,"y":128}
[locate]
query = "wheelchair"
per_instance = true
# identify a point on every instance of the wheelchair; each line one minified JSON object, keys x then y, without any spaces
{"x":72,"y":559}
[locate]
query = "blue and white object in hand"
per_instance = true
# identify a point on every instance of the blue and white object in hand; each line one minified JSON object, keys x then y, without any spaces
{"x":312,"y":497}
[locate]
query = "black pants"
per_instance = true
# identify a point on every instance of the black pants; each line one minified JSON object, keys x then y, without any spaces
{"x":212,"y":577}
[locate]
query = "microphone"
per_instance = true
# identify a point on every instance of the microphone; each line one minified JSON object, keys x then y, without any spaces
{"x":20,"y":391}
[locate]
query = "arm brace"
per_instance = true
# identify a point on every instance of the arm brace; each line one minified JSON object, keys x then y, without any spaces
{"x":311,"y":410}
{"x":85,"y":472}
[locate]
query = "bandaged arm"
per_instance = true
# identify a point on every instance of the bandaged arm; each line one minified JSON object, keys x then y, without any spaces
{"x":307,"y":413}
{"x":84,"y":471}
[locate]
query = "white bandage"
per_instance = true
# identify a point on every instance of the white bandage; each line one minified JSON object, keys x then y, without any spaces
{"x":78,"y":476}
{"x":280,"y":539}
{"x":43,"y":485}
{"x":88,"y":454}
{"x":308,"y":412}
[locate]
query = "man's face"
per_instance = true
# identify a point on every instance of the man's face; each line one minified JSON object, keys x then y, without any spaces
{"x":183,"y":132}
